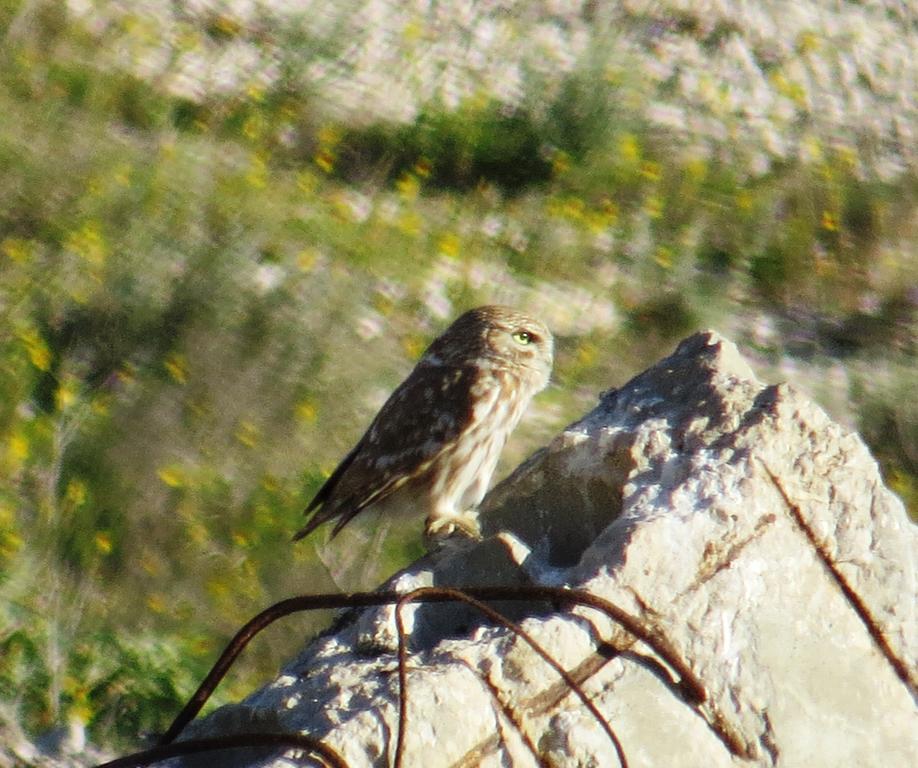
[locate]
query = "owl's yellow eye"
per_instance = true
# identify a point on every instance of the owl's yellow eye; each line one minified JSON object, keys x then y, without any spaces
{"x":523,"y":337}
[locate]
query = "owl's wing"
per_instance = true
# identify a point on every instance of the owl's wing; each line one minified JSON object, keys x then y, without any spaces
{"x":422,"y":418}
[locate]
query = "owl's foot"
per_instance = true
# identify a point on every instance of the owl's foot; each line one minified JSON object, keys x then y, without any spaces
{"x":446,"y":525}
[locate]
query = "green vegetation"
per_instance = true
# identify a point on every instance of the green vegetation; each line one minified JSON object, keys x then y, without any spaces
{"x":205,"y":299}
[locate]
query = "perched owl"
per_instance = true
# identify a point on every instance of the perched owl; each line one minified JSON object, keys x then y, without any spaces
{"x":433,"y":446}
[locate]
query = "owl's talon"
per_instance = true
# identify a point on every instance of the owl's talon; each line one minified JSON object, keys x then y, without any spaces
{"x":464,"y":522}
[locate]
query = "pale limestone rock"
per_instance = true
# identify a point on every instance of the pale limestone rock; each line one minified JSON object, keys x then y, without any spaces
{"x":661,"y":501}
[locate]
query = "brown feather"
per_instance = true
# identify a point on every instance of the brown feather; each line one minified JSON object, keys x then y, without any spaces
{"x":411,"y":444}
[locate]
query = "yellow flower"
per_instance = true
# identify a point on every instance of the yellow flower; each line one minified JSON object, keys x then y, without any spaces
{"x":325,"y":160}
{"x":788,"y":88}
{"x":807,"y":41}
{"x":829,"y":221}
{"x":171,"y":476}
{"x":103,"y":542}
{"x":15,"y":249}
{"x":65,"y":395}
{"x":413,"y":30}
{"x":306,"y":411}
{"x":629,"y":148}
{"x":76,"y":493}
{"x":87,"y":243}
{"x":37,"y":350}
{"x":413,"y":346}
{"x":17,"y":450}
{"x":573,"y":208}
{"x":156,"y":603}
{"x":408,"y":186}
{"x":11,"y":542}
{"x":177,"y":367}
{"x":599,"y":221}
{"x":650,"y":170}
{"x":449,"y":244}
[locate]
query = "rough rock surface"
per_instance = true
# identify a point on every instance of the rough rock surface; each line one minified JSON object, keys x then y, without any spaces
{"x":735,"y":518}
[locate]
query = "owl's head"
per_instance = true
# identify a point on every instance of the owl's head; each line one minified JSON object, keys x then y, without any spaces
{"x":500,"y":337}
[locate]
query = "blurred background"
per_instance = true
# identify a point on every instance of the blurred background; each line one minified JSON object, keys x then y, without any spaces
{"x":227,"y":230}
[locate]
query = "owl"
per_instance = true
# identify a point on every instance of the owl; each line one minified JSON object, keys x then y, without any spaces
{"x":434,"y":444}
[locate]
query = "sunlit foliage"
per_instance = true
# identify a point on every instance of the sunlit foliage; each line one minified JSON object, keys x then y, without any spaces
{"x":225,"y":235}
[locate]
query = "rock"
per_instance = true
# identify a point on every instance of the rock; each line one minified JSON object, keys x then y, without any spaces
{"x":734,"y":518}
